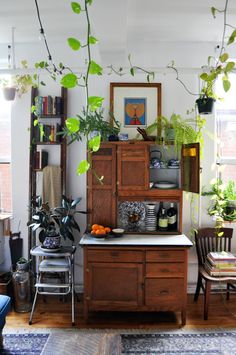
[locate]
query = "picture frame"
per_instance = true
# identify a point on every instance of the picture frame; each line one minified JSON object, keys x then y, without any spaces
{"x":135,"y":105}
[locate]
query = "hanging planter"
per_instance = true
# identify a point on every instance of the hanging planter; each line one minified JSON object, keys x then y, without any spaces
{"x":9,"y":93}
{"x":205,"y":105}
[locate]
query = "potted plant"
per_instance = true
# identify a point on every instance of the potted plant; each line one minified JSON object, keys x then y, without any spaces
{"x":19,"y":84}
{"x":220,"y":65}
{"x":220,"y":194}
{"x":176,"y":129}
{"x":54,"y":223}
{"x":230,"y":196}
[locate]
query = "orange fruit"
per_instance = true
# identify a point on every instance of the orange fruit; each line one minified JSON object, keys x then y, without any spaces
{"x":100,"y":227}
{"x":100,"y":231}
{"x":95,"y":226}
{"x":93,"y":232}
{"x":107,"y":229}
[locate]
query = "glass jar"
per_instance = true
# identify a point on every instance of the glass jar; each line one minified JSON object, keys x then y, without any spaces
{"x":22,"y":288}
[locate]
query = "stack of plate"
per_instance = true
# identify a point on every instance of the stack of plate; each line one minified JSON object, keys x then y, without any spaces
{"x":151,"y":218}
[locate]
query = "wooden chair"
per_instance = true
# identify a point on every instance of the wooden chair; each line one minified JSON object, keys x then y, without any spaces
{"x":207,"y":240}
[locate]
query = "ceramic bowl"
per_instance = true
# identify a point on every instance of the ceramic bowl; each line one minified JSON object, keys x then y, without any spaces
{"x":118,"y":232}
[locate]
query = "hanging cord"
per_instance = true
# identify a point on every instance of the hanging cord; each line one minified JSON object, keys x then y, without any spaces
{"x":42,"y":31}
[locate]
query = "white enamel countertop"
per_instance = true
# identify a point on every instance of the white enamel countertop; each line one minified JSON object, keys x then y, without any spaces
{"x":135,"y":239}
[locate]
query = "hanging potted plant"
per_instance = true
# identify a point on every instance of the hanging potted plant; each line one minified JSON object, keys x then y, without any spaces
{"x":9,"y":92}
{"x":216,"y":66}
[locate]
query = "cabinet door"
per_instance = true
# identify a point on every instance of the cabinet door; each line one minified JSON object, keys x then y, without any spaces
{"x":101,"y":198}
{"x":190,"y":167}
{"x":133,"y":167}
{"x":112,"y":285}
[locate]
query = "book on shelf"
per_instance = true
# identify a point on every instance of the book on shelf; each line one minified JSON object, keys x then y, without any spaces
{"x":48,"y":105}
{"x":40,"y":159}
{"x":214,"y":271}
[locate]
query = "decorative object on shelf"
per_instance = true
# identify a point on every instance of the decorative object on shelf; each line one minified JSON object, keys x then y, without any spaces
{"x":155,"y":161}
{"x":144,"y":134}
{"x":135,"y":104}
{"x":132,"y":215}
{"x":56,"y":222}
{"x":173,"y":164}
{"x":151,"y":217}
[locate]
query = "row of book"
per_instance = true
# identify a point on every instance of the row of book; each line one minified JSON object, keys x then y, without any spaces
{"x":40,"y":159}
{"x":48,"y":105}
{"x":47,"y":133}
{"x":221,"y":264}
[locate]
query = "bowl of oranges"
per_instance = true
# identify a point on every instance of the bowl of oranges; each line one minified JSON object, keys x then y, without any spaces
{"x":99,"y":231}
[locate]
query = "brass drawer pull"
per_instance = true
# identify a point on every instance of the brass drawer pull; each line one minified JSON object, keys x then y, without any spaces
{"x":164,"y":292}
{"x":164,"y":270}
{"x":115,"y":253}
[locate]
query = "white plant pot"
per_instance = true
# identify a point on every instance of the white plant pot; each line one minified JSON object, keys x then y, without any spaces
{"x":9,"y":93}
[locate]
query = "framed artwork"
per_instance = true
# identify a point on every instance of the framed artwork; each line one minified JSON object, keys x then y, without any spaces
{"x":135,"y":105}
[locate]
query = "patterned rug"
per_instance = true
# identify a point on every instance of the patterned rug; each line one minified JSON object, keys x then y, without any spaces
{"x":42,"y":341}
{"x":201,"y":343}
{"x":24,"y":344}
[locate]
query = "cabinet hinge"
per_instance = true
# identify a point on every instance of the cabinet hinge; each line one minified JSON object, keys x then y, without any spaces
{"x":88,"y":298}
{"x":87,"y":270}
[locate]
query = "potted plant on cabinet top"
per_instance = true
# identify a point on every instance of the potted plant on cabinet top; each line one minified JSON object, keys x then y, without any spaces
{"x":176,"y":129}
{"x":54,"y":223}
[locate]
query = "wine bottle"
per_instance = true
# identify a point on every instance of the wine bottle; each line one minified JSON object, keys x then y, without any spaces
{"x":172,"y":217}
{"x":163,"y":221}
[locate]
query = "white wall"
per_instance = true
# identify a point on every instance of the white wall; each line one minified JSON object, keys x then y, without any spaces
{"x":174,"y":99}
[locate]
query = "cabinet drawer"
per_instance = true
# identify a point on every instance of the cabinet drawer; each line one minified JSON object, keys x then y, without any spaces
{"x":164,"y":292}
{"x":136,"y":152}
{"x":165,"y":255}
{"x":113,"y":255}
{"x":165,"y":270}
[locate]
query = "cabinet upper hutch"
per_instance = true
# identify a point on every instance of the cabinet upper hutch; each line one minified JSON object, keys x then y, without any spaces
{"x":131,"y":182}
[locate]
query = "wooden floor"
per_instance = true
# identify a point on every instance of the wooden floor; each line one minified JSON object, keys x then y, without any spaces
{"x":57,"y":314}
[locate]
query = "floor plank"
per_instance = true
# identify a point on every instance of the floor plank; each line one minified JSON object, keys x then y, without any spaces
{"x":57,"y":314}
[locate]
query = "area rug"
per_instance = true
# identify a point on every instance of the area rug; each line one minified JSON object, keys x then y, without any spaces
{"x":18,"y":341}
{"x":24,"y":344}
{"x":201,"y":343}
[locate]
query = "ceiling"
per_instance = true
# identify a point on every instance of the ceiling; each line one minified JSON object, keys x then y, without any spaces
{"x":117,"y":24}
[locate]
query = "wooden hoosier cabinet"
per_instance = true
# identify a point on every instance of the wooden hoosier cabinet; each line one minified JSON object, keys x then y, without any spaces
{"x":144,"y":270}
{"x":136,"y":273}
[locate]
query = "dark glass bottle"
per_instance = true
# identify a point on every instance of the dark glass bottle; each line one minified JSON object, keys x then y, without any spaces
{"x":172,"y":217}
{"x":163,"y":221}
{"x":159,"y":213}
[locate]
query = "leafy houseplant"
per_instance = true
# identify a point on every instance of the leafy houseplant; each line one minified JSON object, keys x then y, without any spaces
{"x":216,"y":66}
{"x":184,"y":130}
{"x":56,"y":222}
{"x":220,"y":196}
{"x":19,"y":84}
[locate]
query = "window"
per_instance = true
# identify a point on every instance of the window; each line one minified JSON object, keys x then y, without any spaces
{"x":226,"y":131}
{"x":5,"y":155}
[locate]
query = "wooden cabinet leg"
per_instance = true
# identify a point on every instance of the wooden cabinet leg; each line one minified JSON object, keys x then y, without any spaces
{"x":183,"y":316}
{"x":85,"y":309}
{"x":207,"y":298}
